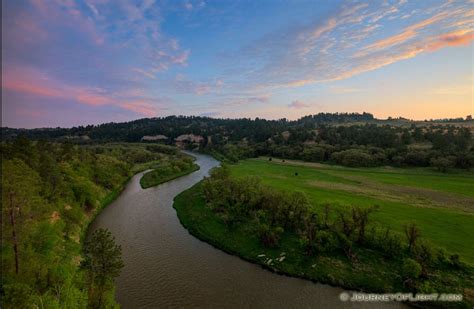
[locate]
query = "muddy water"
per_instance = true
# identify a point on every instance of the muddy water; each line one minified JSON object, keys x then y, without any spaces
{"x":167,"y":267}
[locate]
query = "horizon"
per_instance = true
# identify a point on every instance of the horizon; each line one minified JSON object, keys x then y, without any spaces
{"x":389,"y":118}
{"x":67,"y":63}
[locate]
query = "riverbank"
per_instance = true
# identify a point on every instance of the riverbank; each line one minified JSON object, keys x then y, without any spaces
{"x":371,"y":273}
{"x":157,"y":176}
{"x":151,"y":167}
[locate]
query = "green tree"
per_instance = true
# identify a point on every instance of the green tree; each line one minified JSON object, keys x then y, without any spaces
{"x":102,"y":262}
{"x":412,"y":233}
{"x":20,"y":192}
{"x":360,"y":216}
{"x":411,"y":271}
{"x":442,"y":164}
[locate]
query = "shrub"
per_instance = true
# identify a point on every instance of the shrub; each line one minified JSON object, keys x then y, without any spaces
{"x":390,"y":243}
{"x":326,"y":241}
{"x":313,"y":154}
{"x":423,"y":253}
{"x":346,"y":245}
{"x":269,"y":236}
{"x":412,"y":233}
{"x":417,"y":158}
{"x":441,"y":256}
{"x":443,"y":164}
{"x":411,"y":269}
{"x":353,"y":158}
{"x":455,"y":261}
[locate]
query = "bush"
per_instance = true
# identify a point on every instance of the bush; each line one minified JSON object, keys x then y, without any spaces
{"x":411,"y":269}
{"x":18,"y":295}
{"x":326,"y":241}
{"x":313,"y":154}
{"x":441,"y":256}
{"x":390,"y":243}
{"x":455,"y":261}
{"x":269,"y":236}
{"x":443,"y":164}
{"x":423,"y":253}
{"x":353,"y":158}
{"x":417,"y":158}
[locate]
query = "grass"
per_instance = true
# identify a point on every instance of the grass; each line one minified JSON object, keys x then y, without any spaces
{"x":157,"y":176}
{"x":442,"y":205}
{"x":372,"y":272}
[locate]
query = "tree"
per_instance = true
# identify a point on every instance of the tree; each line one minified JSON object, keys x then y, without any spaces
{"x":412,"y":233}
{"x":102,"y":262}
{"x":353,"y":158}
{"x":20,"y":192}
{"x":424,"y":255}
{"x":442,"y":164}
{"x":269,"y":235}
{"x":360,"y":217}
{"x":411,"y":271}
{"x":310,"y":233}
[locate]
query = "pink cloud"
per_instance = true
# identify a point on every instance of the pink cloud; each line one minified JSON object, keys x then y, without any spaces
{"x":409,"y":33}
{"x":140,"y":107}
{"x":30,"y":81}
{"x":30,"y":113}
{"x":90,"y":98}
{"x":298,"y":105}
{"x":458,"y":38}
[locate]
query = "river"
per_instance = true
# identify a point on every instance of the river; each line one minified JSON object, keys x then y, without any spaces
{"x":165,"y":266}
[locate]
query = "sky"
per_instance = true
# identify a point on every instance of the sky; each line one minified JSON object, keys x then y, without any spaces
{"x":69,"y":62}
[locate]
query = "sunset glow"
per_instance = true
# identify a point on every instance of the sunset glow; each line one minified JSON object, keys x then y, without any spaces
{"x":68,"y":63}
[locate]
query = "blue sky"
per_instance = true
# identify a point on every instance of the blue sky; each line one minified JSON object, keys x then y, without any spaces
{"x":69,"y":62}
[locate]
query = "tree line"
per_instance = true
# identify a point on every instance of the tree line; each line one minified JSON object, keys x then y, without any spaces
{"x":349,"y":139}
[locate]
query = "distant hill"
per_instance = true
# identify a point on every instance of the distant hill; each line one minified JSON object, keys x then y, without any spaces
{"x":257,"y":130}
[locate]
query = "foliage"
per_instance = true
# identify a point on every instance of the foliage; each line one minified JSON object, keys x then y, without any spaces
{"x":168,"y":170}
{"x":433,"y":201}
{"x":350,"y":139}
{"x":50,"y":192}
{"x":335,"y":259}
{"x":102,"y":263}
{"x":411,"y":270}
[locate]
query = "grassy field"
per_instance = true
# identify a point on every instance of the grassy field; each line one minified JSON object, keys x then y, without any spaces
{"x":373,"y":272}
{"x":442,"y":205}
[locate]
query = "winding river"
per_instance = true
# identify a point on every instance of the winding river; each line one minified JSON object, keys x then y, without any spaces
{"x":165,"y":266}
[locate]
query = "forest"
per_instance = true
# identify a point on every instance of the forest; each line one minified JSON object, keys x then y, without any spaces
{"x":50,"y":193}
{"x":349,"y":139}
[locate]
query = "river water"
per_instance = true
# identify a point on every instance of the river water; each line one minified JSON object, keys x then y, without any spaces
{"x":167,"y":267}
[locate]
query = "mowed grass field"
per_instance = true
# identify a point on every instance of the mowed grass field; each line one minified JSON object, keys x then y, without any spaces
{"x":442,"y":205}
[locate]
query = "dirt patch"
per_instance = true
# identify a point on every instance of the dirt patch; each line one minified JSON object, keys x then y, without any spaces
{"x":55,"y":216}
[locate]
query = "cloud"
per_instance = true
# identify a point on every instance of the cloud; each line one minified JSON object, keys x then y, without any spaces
{"x":246,"y":100}
{"x":144,"y":73}
{"x":183,"y":84}
{"x":29,"y":81}
{"x":209,"y":114}
{"x":409,"y":33}
{"x":188,"y":6}
{"x":459,"y":38}
{"x":347,"y":43}
{"x":298,"y":105}
{"x":344,"y":90}
{"x":140,"y":107}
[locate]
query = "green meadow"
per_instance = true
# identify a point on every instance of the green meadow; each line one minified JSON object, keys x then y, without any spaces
{"x":441,"y":204}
